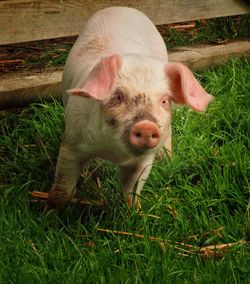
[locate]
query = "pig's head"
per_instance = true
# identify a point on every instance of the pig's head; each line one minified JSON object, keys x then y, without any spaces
{"x":135,"y":93}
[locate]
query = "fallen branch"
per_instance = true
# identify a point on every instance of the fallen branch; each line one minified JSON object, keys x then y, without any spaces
{"x":206,"y":252}
{"x":139,"y":236}
{"x":218,"y":250}
{"x":216,"y":232}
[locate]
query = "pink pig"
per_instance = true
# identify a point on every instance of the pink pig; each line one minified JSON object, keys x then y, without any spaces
{"x":118,"y":91}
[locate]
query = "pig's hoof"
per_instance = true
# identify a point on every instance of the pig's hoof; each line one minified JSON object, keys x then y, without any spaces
{"x":57,"y":200}
{"x":133,"y":202}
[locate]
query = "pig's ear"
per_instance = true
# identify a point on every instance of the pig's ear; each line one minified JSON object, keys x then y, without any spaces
{"x":185,"y":88}
{"x":101,"y":79}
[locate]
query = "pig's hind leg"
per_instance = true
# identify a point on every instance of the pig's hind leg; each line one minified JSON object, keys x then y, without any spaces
{"x":67,"y":173}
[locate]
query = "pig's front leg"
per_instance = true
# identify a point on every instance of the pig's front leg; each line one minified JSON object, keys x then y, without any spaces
{"x":67,"y":173}
{"x":132,"y":179}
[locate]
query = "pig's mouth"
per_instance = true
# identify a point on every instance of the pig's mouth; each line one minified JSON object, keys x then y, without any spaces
{"x":139,"y":152}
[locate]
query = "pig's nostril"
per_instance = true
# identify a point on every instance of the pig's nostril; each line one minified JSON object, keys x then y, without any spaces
{"x":138,"y":134}
{"x":155,"y":135}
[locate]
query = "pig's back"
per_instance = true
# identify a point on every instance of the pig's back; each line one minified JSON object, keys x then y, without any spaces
{"x":124,"y":30}
{"x":114,"y":30}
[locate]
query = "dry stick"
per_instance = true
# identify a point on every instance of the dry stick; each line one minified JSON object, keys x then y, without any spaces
{"x":149,"y":215}
{"x":139,"y":236}
{"x":210,"y":250}
{"x":44,"y":195}
{"x":182,"y":27}
{"x":222,"y":246}
{"x":216,"y":231}
{"x":28,"y":146}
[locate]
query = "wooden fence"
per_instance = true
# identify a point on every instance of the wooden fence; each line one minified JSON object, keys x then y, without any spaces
{"x":28,"y":20}
{"x":31,"y":20}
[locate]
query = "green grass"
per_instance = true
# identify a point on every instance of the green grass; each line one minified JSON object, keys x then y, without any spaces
{"x":201,"y":197}
{"x":217,"y":30}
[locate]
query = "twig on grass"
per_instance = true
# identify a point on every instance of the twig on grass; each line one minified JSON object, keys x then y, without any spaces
{"x":209,"y":251}
{"x":218,"y":251}
{"x":216,"y":231}
{"x":44,"y":196}
{"x":148,"y":215}
{"x":163,"y":243}
{"x":28,"y":146}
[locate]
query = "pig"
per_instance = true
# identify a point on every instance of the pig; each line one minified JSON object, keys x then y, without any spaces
{"x":118,"y":91}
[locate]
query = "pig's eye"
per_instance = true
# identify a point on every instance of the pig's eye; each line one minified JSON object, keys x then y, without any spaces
{"x":165,"y":102}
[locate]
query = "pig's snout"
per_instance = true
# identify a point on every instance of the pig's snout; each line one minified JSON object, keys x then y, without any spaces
{"x":144,"y":134}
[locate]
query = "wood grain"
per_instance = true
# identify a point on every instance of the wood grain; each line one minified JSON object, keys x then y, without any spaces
{"x":20,"y":90}
{"x":29,"y":20}
{"x":199,"y":58}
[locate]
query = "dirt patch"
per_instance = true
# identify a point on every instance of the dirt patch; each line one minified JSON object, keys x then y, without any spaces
{"x":35,"y":56}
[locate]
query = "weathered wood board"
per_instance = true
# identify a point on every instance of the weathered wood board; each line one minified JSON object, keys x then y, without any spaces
{"x":198,"y":58}
{"x":21,"y":90}
{"x":29,"y":20}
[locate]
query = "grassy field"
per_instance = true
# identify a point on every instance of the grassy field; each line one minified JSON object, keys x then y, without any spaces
{"x":198,"y":198}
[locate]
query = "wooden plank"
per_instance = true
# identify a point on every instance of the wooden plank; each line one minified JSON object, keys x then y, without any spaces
{"x":198,"y":58}
{"x":21,"y":90}
{"x":29,"y":20}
